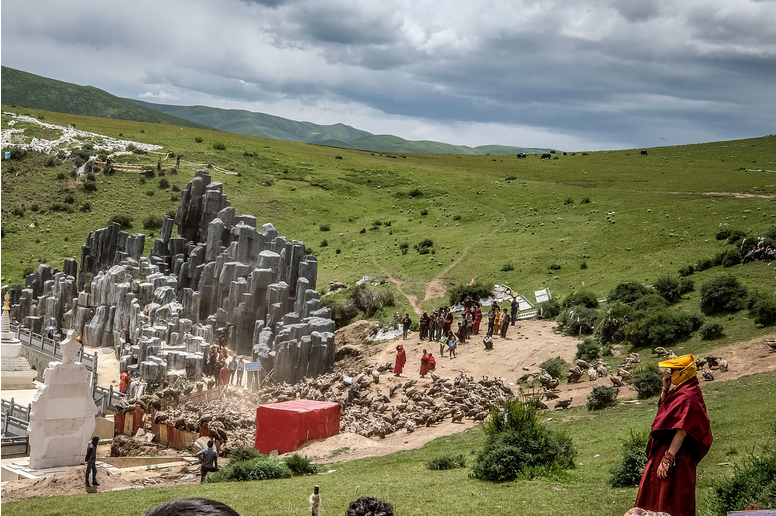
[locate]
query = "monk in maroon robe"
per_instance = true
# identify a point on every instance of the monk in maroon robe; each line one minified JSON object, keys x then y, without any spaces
{"x":477,"y":321}
{"x":401,"y":359}
{"x":680,"y":438}
{"x":424,"y":364}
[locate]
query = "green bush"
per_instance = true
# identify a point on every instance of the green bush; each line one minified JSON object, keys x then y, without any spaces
{"x":668,"y":287}
{"x":762,"y":308}
{"x":577,"y":320}
{"x":688,"y":270}
{"x":324,"y":243}
{"x":735,"y":236}
{"x":627,"y":292}
{"x":507,"y":267}
{"x":722,"y":294}
{"x":477,"y":292}
{"x":583,"y":297}
{"x":712,"y":331}
{"x":242,"y":453}
{"x":555,"y":367}
{"x":447,"y":461}
{"x":549,"y":309}
{"x":518,"y":443}
{"x":704,"y":264}
{"x":125,"y":221}
{"x":723,"y":234}
{"x":60,"y":206}
{"x":90,"y":186}
{"x":324,"y":227}
{"x":301,"y":465}
{"x":152,"y":222}
{"x":602,"y":397}
{"x":164,"y":183}
{"x":219,"y":146}
{"x":588,"y":350}
{"x":424,"y":246}
{"x":261,"y":468}
{"x":686,"y":285}
{"x":198,"y":139}
{"x":611,"y":327}
{"x":661,"y":328}
{"x":634,"y":459}
{"x":650,"y":302}
{"x":732,"y":257}
{"x":753,"y":482}
{"x":647,"y":380}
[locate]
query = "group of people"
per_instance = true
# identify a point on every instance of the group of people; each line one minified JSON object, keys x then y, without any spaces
{"x":427,"y":362}
{"x":226,"y":372}
{"x":761,"y":251}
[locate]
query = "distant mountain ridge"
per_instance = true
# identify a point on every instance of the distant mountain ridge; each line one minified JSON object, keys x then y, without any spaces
{"x":36,"y":92}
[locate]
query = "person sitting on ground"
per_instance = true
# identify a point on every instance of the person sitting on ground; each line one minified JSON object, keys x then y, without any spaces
{"x":209,"y":459}
{"x":488,"y":341}
{"x":368,"y":506}
{"x":192,"y":507}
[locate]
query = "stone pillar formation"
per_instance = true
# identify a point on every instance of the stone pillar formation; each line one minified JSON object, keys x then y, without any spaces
{"x":218,"y":272}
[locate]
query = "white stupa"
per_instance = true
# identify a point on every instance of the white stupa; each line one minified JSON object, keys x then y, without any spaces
{"x":15,"y":371}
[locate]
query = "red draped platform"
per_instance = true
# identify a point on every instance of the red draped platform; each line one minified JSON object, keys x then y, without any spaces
{"x":286,"y":426}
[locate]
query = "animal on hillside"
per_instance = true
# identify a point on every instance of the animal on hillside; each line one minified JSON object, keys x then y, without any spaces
{"x":644,"y":153}
{"x":616,"y":381}
{"x":723,"y":365}
{"x":592,"y":374}
{"x":562,"y":404}
{"x":546,"y":156}
{"x":522,"y":155}
{"x":707,"y":375}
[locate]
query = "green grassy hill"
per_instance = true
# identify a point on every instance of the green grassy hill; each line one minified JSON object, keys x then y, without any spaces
{"x":35,"y":92}
{"x":497,"y":218}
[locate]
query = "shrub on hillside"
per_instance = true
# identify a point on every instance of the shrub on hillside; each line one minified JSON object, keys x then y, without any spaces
{"x":722,"y":294}
{"x":611,"y":327}
{"x":732,"y":257}
{"x":650,"y":302}
{"x":301,"y":465}
{"x":762,"y":308}
{"x":548,"y":309}
{"x":602,"y":397}
{"x":152,"y":222}
{"x":736,"y":236}
{"x":588,"y":350}
{"x":517,"y":443}
{"x":219,"y":146}
{"x":164,"y":183}
{"x":711,"y":331}
{"x":704,"y":264}
{"x":723,"y":234}
{"x":424,"y":246}
{"x":686,"y":285}
{"x":125,"y":221}
{"x":477,"y":292}
{"x":687,"y":270}
{"x":668,"y":287}
{"x":583,"y":297}
{"x":627,"y":292}
{"x":647,"y":380}
{"x":634,"y":459}
{"x":577,"y":320}
{"x":661,"y":328}
{"x":447,"y":461}
{"x":262,"y":468}
{"x":555,"y":367}
{"x":90,"y":186}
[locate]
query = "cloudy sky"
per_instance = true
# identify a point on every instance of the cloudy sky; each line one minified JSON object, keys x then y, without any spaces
{"x":572,"y":75}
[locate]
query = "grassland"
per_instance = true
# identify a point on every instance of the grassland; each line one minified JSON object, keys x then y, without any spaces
{"x":646,"y":215}
{"x":741,"y":413}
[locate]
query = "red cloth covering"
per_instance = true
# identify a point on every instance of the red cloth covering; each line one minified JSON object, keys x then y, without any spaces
{"x":224,"y":375}
{"x":125,"y":378}
{"x":477,"y":321}
{"x":683,"y":408}
{"x":424,"y":364}
{"x":431,"y":363}
{"x":401,"y":359}
{"x":286,"y":426}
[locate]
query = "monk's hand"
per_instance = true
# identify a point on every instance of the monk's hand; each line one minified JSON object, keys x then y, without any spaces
{"x":667,"y":380}
{"x":665,"y":465}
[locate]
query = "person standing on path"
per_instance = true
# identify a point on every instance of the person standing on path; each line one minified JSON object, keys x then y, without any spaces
{"x":440,"y":324}
{"x":401,"y":359}
{"x":240,"y":371}
{"x":491,"y":319}
{"x":424,"y":364}
{"x":505,"y":324}
{"x":232,"y":369}
{"x":91,"y":461}
{"x":424,"y":322}
{"x":209,"y":459}
{"x":224,"y":374}
{"x":406,"y":323}
{"x":515,"y":307}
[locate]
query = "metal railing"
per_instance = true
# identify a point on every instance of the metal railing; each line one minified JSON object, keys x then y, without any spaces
{"x":106,"y":399}
{"x":13,"y":426}
{"x":13,"y":409}
{"x":50,"y":347}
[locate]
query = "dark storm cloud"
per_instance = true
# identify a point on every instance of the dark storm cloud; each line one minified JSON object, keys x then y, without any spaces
{"x":592,"y":73}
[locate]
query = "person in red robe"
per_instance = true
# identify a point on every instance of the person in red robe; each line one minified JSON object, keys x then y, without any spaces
{"x":401,"y":359}
{"x":477,"y":320}
{"x":424,"y":364}
{"x":225,"y":374}
{"x":680,"y":438}
{"x":431,"y":362}
{"x":126,"y":378}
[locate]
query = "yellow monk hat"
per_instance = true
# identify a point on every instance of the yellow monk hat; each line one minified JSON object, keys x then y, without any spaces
{"x":678,"y":363}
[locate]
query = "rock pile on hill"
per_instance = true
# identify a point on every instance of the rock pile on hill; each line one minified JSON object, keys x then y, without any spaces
{"x":219,"y":278}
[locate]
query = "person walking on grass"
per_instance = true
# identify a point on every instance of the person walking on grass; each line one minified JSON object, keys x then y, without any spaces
{"x":209,"y":459}
{"x":91,"y":461}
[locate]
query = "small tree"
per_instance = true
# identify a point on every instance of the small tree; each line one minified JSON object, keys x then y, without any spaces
{"x":722,"y":294}
{"x":648,"y":381}
{"x":583,"y":297}
{"x":627,"y":292}
{"x":602,"y":397}
{"x":668,"y":287}
{"x":634,"y":459}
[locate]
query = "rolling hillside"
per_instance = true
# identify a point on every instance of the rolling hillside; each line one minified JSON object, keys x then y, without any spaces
{"x":36,"y":92}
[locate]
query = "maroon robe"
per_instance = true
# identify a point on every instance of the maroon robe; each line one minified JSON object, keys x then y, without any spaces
{"x":683,"y":408}
{"x":477,"y":321}
{"x":401,"y":359}
{"x":424,"y":364}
